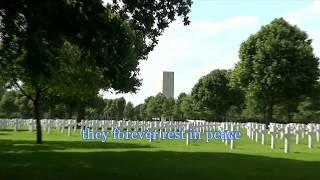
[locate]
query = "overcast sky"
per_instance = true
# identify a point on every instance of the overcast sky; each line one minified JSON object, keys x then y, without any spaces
{"x":212,"y":40}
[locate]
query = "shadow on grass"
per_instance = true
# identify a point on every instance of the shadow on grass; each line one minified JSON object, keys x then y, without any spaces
{"x":24,"y":146}
{"x":152,"y":165}
{"x":25,"y":160}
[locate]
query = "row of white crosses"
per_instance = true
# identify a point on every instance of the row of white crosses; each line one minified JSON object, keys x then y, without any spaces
{"x":46,"y":124}
{"x":15,"y":124}
{"x":61,"y":124}
{"x":255,"y":131}
{"x":131,"y":125}
{"x":104,"y":125}
{"x":285,"y":131}
{"x":58,"y":124}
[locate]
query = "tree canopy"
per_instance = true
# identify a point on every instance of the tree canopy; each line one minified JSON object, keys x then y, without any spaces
{"x":277,"y":65}
{"x":213,"y":94}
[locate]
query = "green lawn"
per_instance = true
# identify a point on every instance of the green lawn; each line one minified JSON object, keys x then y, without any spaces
{"x":63,"y":157}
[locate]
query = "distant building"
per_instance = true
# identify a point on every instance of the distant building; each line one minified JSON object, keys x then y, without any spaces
{"x":168,"y":84}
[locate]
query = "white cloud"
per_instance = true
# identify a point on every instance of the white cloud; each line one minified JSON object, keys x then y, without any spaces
{"x":305,"y":19}
{"x":315,"y":36}
{"x":212,"y":28}
{"x":303,"y":14}
{"x":226,"y":62}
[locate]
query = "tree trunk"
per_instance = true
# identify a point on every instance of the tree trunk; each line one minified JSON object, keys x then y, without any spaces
{"x":269,"y":113}
{"x":81,"y":112}
{"x":69,"y":111}
{"x":289,"y":112}
{"x":265,"y":113}
{"x":36,"y":115}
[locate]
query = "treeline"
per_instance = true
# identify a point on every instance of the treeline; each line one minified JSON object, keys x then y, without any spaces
{"x":14,"y":105}
{"x":213,"y":98}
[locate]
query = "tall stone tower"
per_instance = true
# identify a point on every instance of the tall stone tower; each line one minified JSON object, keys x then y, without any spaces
{"x":168,"y":84}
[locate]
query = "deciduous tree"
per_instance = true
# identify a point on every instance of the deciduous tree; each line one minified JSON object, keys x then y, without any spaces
{"x":277,"y":65}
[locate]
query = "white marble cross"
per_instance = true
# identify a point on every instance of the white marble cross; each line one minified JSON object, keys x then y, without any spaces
{"x":286,"y":136}
{"x":263,"y":134}
{"x":273,"y":135}
{"x":310,"y":135}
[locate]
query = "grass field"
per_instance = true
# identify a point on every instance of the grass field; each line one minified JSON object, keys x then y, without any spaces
{"x":63,"y":157}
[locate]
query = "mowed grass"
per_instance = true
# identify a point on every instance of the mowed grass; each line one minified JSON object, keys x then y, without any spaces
{"x":68,"y":157}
